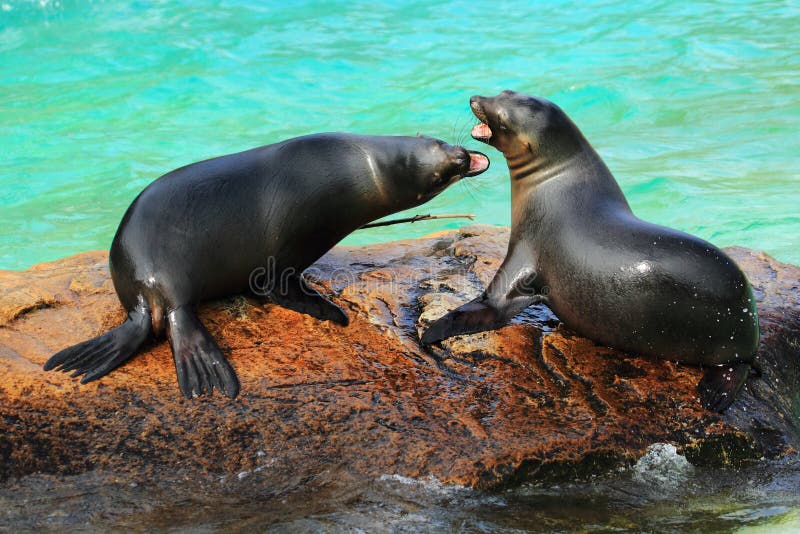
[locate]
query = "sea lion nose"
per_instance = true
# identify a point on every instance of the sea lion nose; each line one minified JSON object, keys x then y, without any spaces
{"x":475,"y":102}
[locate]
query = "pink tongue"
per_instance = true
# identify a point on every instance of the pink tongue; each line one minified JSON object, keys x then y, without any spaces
{"x":478,"y":162}
{"x":482,"y":130}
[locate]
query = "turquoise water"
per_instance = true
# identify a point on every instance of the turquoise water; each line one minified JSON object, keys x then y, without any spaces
{"x":695,"y":108}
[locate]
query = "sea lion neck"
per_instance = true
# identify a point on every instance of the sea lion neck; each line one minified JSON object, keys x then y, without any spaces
{"x":536,"y":165}
{"x":533,"y":169}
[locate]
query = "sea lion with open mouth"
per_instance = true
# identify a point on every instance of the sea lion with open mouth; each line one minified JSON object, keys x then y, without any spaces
{"x":611,"y":277}
{"x":202,"y":231}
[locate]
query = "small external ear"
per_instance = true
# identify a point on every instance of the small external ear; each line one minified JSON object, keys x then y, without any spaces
{"x":529,"y":147}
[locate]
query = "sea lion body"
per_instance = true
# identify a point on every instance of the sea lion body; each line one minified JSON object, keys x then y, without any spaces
{"x":205,"y":230}
{"x":290,"y":201}
{"x":577,"y":246}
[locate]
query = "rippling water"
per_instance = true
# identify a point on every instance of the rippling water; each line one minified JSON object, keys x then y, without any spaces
{"x":661,"y":496}
{"x":695,"y":108}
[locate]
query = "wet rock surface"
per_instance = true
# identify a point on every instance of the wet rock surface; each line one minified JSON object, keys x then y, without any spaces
{"x":529,"y":401}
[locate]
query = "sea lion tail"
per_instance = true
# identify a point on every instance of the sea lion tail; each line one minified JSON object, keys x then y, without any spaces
{"x":99,"y":356}
{"x":720,"y":385}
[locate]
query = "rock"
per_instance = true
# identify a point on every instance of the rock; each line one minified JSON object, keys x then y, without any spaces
{"x":528,"y":401}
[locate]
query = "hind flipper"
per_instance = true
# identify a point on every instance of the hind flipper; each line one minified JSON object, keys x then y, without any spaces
{"x":99,"y":356}
{"x":295,"y":294}
{"x":199,"y":362}
{"x":720,"y":385}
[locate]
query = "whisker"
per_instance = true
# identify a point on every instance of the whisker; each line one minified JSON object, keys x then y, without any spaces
{"x":461,"y":129}
{"x":469,"y":191}
{"x":475,"y":188}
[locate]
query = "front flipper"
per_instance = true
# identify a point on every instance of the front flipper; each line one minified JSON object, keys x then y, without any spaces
{"x":199,"y":362}
{"x":720,"y":385}
{"x":295,"y":294}
{"x":478,"y":315}
{"x":474,"y":316}
{"x":512,"y":289}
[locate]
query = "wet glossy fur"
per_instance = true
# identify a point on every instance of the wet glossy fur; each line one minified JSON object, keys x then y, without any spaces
{"x":610,"y":276}
{"x":203,"y":230}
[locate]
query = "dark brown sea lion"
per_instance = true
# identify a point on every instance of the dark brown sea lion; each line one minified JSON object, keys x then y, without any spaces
{"x":610,"y":276}
{"x":203,"y":231}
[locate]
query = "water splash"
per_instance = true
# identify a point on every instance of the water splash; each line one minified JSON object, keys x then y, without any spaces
{"x":661,"y":467}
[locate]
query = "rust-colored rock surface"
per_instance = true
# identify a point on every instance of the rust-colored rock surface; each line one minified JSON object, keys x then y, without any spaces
{"x":526,"y":401}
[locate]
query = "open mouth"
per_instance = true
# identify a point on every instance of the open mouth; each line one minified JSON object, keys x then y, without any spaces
{"x":478,"y":163}
{"x":481,"y":131}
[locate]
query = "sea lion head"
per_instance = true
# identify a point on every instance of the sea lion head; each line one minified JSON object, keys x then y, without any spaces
{"x":433,"y":165}
{"x":518,"y":124}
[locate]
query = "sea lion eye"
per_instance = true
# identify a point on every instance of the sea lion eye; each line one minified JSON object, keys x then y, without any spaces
{"x":502,"y":121}
{"x":441,"y":178}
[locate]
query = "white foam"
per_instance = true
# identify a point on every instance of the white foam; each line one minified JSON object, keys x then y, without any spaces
{"x":429,"y":483}
{"x":663,"y":467}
